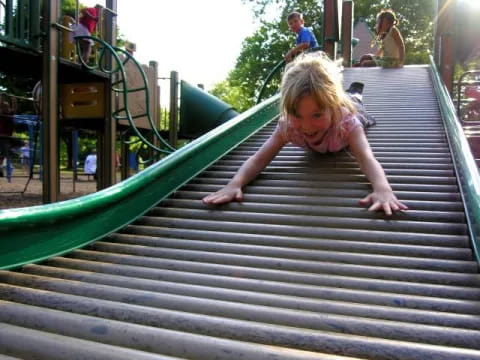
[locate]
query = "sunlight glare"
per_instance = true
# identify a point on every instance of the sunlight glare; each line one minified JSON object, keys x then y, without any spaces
{"x":472,"y":4}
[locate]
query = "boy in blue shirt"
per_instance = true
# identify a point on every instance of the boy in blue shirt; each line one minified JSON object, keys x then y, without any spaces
{"x":305,"y":37}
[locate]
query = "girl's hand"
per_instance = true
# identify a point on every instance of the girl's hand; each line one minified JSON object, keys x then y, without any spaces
{"x":224,"y":195}
{"x":383,"y":200}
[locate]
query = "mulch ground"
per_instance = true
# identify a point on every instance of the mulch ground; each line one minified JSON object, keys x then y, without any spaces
{"x":12,"y":194}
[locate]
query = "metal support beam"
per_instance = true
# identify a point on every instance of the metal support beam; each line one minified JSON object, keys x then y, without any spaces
{"x":51,"y":172}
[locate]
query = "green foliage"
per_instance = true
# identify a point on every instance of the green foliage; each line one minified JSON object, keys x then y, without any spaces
{"x":264,"y":49}
{"x":232,"y":95}
{"x":68,"y":7}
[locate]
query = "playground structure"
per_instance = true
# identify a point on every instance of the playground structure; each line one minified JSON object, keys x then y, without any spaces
{"x":298,"y":271}
{"x":113,"y":95}
{"x":29,"y":54}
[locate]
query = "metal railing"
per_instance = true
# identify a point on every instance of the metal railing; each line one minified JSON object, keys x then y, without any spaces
{"x":20,"y":23}
{"x":465,"y":166}
{"x":276,"y":69}
{"x":120,"y":87}
{"x":463,"y":100}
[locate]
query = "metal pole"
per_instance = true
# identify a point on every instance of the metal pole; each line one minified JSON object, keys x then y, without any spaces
{"x":51,"y":173}
{"x":124,"y":158}
{"x":75,"y":158}
{"x":173,"y":129}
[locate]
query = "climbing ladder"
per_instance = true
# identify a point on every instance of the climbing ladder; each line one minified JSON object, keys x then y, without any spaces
{"x":297,"y":271}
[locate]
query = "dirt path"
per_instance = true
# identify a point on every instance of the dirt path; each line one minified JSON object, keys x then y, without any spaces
{"x":11,"y":197}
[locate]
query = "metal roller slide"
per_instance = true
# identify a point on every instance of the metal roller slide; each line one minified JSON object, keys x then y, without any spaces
{"x":297,"y":271}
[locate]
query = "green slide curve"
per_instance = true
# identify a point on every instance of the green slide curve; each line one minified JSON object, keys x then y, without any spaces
{"x":37,"y":233}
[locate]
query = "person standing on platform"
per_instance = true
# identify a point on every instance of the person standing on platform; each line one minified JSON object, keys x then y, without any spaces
{"x":86,"y":26}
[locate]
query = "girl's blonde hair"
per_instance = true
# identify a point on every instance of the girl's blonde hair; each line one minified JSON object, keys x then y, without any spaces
{"x":318,"y":76}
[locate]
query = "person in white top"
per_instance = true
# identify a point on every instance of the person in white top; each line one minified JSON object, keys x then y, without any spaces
{"x":25,"y":157}
{"x":90,"y":167}
{"x":391,"y":51}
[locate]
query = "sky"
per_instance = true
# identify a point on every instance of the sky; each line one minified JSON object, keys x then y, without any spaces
{"x":199,"y":39}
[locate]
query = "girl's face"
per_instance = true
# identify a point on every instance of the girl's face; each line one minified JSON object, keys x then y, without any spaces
{"x":383,"y":25}
{"x":309,"y":119}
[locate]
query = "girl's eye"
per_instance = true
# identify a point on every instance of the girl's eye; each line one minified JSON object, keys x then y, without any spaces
{"x":317,"y":115}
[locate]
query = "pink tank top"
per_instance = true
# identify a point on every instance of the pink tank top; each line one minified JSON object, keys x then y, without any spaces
{"x":335,"y":139}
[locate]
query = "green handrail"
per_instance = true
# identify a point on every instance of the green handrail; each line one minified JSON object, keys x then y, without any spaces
{"x":464,"y":163}
{"x":275,"y":69}
{"x":33,"y":234}
{"x":21,"y":24}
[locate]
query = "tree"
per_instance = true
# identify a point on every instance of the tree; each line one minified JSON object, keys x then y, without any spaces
{"x":231,"y":95}
{"x":265,"y":48}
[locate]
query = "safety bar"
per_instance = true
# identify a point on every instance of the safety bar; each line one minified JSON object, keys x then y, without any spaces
{"x":459,"y":86}
{"x":62,"y":27}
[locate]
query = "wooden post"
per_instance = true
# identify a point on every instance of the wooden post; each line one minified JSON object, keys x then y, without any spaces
{"x":107,"y":154}
{"x":347,"y":32}
{"x":328,"y":28}
{"x":444,"y":41}
{"x":124,"y":159}
{"x":50,"y":149}
{"x":173,"y":128}
{"x":155,"y":100}
{"x":331,"y":27}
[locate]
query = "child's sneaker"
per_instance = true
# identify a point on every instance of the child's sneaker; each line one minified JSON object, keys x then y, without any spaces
{"x":355,"y":88}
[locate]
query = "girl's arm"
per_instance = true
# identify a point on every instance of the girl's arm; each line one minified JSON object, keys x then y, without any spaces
{"x":382,"y":196}
{"x":397,"y":37}
{"x":248,"y":171}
